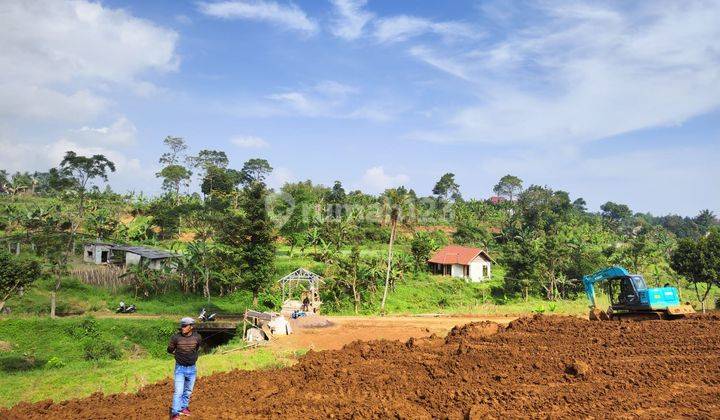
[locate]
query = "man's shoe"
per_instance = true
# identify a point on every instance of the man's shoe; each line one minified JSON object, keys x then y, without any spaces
{"x":175,"y":417}
{"x":185,"y":412}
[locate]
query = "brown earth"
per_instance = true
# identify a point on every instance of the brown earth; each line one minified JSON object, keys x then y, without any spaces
{"x":544,"y":366}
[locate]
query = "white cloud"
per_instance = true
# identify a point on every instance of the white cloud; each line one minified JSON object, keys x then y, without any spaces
{"x":350,"y":18}
{"x":326,"y":99}
{"x":120,"y":133}
{"x":403,"y":27}
{"x":130,"y":172}
{"x":375,"y":180}
{"x":587,"y":72}
{"x":249,"y":142}
{"x":77,"y":45}
{"x":286,"y":16}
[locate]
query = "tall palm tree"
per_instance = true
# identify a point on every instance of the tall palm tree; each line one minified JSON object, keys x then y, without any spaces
{"x":396,"y":199}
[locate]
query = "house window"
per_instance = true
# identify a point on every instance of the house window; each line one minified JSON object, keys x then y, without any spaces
{"x":89,"y":253}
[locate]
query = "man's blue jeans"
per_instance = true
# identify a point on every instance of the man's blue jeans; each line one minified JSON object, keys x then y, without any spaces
{"x":184,"y":382}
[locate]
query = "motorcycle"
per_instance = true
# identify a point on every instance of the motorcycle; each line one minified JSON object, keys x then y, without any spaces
{"x":122,"y":309}
{"x":204,"y":317}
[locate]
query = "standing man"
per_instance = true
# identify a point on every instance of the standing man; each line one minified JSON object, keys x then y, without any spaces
{"x":184,"y":345}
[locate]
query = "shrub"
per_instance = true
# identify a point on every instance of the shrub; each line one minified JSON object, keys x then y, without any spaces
{"x":88,"y":327}
{"x":54,"y":363}
{"x":95,"y":348}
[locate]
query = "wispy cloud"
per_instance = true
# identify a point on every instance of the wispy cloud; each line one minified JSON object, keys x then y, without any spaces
{"x":403,"y":27}
{"x":249,"y":142}
{"x":287,"y":16}
{"x":587,"y":71}
{"x":350,"y":18}
{"x":326,"y":99}
{"x":446,"y":64}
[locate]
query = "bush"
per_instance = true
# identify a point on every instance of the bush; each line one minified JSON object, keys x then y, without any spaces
{"x":54,"y":363}
{"x":95,"y":348}
{"x":88,"y":327}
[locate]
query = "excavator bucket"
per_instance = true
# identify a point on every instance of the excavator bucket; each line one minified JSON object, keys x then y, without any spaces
{"x":598,"y":315}
{"x":680,"y":311}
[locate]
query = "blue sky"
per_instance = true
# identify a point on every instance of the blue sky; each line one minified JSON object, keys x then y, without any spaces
{"x":606,"y":100}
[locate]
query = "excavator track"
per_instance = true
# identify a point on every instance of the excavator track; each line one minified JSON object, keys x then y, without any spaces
{"x":677,"y":312}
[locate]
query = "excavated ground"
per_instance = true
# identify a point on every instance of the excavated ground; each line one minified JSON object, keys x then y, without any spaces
{"x":544,"y":366}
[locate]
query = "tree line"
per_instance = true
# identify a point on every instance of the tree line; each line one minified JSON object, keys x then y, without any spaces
{"x":232,"y":225}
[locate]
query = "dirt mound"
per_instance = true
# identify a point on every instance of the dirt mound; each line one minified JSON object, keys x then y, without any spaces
{"x":544,"y":366}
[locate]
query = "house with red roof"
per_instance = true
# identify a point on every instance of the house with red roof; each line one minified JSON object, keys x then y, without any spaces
{"x":474,"y":264}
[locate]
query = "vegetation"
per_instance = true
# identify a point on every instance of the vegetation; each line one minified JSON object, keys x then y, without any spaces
{"x":55,"y":359}
{"x":235,"y":236}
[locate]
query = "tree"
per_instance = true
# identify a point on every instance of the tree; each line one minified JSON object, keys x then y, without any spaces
{"x":176,"y":153}
{"x":16,"y":273}
{"x":4,"y":179}
{"x":705,"y":220}
{"x":220,"y":182}
{"x":508,"y":187}
{"x":103,"y":223}
{"x":615,"y":212}
{"x":446,"y":188}
{"x":174,"y":174}
{"x":258,"y":247}
{"x":699,"y":262}
{"x":397,"y":200}
{"x":421,"y":246}
{"x":580,"y":205}
{"x":208,"y":158}
{"x":85,"y":169}
{"x":255,"y":170}
{"x":336,"y":198}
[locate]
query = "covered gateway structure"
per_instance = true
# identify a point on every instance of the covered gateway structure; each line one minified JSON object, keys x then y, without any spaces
{"x":307,"y":283}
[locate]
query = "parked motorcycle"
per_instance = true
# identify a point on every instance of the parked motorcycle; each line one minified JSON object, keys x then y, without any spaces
{"x":122,"y":309}
{"x":204,"y":317}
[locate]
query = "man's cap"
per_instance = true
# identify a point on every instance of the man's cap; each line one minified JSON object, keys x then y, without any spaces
{"x":187,"y":321}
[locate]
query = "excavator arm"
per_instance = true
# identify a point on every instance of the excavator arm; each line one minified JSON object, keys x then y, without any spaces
{"x":598,"y":277}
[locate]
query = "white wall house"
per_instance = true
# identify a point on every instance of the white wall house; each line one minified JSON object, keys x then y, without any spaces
{"x":473,"y":264}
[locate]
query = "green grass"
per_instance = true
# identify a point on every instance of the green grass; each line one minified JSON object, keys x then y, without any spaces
{"x":27,"y":375}
{"x":83,"y":378}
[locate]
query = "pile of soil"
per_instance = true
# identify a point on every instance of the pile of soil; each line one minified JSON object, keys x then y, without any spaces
{"x":544,"y":366}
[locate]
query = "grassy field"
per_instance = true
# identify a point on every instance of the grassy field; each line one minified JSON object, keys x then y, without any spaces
{"x":42,"y":358}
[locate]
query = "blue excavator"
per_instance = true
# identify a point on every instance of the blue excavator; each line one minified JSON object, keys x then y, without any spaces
{"x":631,"y":298}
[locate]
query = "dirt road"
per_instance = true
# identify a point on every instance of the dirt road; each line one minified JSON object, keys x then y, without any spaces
{"x":539,"y":367}
{"x":345,"y":329}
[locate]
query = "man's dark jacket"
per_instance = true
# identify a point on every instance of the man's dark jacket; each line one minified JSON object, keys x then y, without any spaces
{"x":185,"y":348}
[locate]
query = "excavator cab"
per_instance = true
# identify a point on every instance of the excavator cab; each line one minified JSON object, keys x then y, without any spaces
{"x":625,"y":291}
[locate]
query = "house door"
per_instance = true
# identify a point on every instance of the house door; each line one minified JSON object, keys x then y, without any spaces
{"x":104,"y":256}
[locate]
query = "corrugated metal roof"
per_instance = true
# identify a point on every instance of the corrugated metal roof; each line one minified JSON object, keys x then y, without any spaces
{"x":149,"y":253}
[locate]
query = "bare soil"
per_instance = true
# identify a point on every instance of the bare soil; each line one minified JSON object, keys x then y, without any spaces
{"x":538,"y":367}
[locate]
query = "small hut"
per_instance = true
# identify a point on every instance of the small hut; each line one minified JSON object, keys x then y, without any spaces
{"x":98,"y":252}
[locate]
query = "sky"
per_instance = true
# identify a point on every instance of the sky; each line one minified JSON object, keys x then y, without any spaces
{"x":610,"y":101}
